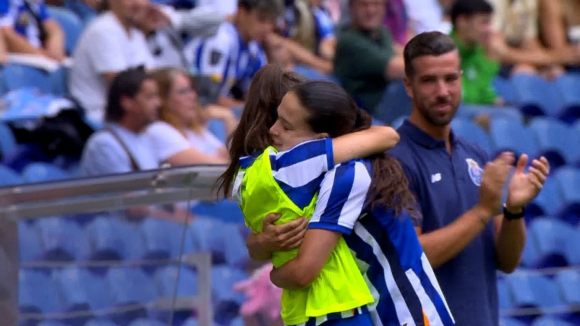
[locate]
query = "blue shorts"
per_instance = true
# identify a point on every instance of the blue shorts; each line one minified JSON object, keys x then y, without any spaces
{"x":358,"y":320}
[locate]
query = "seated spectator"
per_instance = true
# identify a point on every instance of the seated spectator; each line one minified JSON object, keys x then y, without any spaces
{"x":234,"y":55}
{"x":110,"y":44}
{"x":288,"y":54}
{"x":559,"y":23}
{"x":312,"y":27}
{"x":472,"y":31}
{"x":365,"y":60}
{"x":28,"y":28}
{"x":133,"y":103}
{"x":181,"y":137}
{"x":516,"y":42}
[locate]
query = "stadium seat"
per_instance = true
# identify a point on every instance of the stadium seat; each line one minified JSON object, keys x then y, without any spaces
{"x":62,"y":239}
{"x":71,"y":25}
{"x":556,"y":140}
{"x":8,"y":177}
{"x":510,"y":322}
{"x":59,"y":81}
{"x":472,"y":132}
{"x":43,"y":172}
{"x":569,"y":84}
{"x":551,"y":238}
{"x":548,"y":202}
{"x":37,"y":292}
{"x":226,"y":301}
{"x":130,"y":287}
{"x":166,"y":278}
{"x":79,"y":287}
{"x":568,"y":282}
{"x":18,"y":76}
{"x":218,"y":128}
{"x":225,"y":210}
{"x":223,"y":240}
{"x":530,"y":254}
{"x":191,"y":322}
{"x":569,"y":181}
{"x":100,"y":322}
{"x":506,"y":90}
{"x":163,"y":239}
{"x":7,"y":140}
{"x":29,"y":246}
{"x":505,"y":301}
{"x":310,"y":73}
{"x":506,"y":135}
{"x":399,"y":121}
{"x":147,"y":322}
{"x":112,"y":238}
{"x":572,"y":252}
{"x":52,"y":323}
{"x":394,"y":104}
{"x":470,"y":112}
{"x":550,"y":321}
{"x":537,"y":95}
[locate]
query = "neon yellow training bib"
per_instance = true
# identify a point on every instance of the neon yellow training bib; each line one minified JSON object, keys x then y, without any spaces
{"x":340,"y":285}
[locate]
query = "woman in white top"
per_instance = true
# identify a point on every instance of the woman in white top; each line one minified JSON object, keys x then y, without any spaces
{"x":181,"y":136}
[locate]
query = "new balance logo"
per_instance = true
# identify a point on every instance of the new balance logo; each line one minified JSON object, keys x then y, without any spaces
{"x":435,"y":177}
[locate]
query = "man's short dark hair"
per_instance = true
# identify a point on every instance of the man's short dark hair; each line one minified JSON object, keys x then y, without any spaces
{"x":126,"y":83}
{"x":469,"y":8}
{"x":426,"y":44}
{"x":269,"y":7}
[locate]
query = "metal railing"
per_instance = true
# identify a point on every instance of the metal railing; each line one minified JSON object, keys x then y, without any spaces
{"x":90,"y":195}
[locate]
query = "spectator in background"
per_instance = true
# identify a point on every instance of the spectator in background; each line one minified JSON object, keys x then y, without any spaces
{"x":365,"y":60}
{"x":28,"y":28}
{"x":234,"y":55}
{"x":459,"y":191}
{"x":516,"y":42}
{"x":132,"y":105}
{"x":472,"y":32}
{"x":560,"y":23}
{"x":181,"y":136}
{"x":110,"y":44}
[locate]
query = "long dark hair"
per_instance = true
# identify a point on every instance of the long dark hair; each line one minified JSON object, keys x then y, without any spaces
{"x":268,"y":87}
{"x":331,"y":110}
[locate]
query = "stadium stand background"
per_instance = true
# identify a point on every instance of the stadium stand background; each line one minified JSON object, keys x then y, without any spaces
{"x":543,"y":119}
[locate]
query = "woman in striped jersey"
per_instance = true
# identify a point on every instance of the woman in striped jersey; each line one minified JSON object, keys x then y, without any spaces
{"x":369,"y":203}
{"x":287,"y":182}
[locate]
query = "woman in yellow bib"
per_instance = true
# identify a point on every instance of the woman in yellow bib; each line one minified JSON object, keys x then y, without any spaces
{"x":267,"y":181}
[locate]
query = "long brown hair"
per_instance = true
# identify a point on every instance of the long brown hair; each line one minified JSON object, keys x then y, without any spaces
{"x":331,"y":110}
{"x":268,"y":87}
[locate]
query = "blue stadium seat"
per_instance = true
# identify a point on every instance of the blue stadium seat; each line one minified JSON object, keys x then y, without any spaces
{"x":43,"y":172}
{"x":530,"y":254}
{"x":147,"y":322}
{"x":505,"y":301}
{"x":62,"y":239}
{"x":100,"y":322}
{"x":550,"y":321}
{"x":191,"y":322}
{"x":548,"y":202}
{"x":239,"y":321}
{"x":551,"y":238}
{"x":51,"y":323}
{"x":568,"y":282}
{"x":130,"y":287}
{"x":506,"y":90}
{"x":227,"y":302}
{"x":9,"y":177}
{"x":71,"y":25}
{"x":166,"y":277}
{"x":569,"y":181}
{"x":225,"y":210}
{"x":510,"y":322}
{"x":310,"y":73}
{"x":569,"y":84}
{"x":572,"y":252}
{"x":112,"y":238}
{"x":394,"y":104}
{"x":218,"y":128}
{"x":399,"y":121}
{"x":163,"y":239}
{"x":507,"y":135}
{"x":223,"y":240}
{"x":537,"y":95}
{"x":556,"y":140}
{"x":472,"y":132}
{"x":18,"y":76}
{"x":80,"y":287}
{"x":59,"y":81}
{"x":470,"y":112}
{"x":37,"y":292}
{"x":7,"y":140}
{"x":29,"y":246}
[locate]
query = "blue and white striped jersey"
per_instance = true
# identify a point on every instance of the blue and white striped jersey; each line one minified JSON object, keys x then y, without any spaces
{"x":226,"y":58}
{"x":15,"y":14}
{"x":386,"y":247}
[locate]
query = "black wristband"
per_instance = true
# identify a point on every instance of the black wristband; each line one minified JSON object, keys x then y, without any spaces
{"x":510,"y":216}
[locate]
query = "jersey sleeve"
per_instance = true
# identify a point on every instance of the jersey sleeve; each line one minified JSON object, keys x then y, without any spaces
{"x":341,"y":198}
{"x":304,"y":163}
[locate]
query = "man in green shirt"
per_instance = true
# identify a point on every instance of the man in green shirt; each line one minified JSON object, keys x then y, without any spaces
{"x":472,"y":30}
{"x":364,"y":59}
